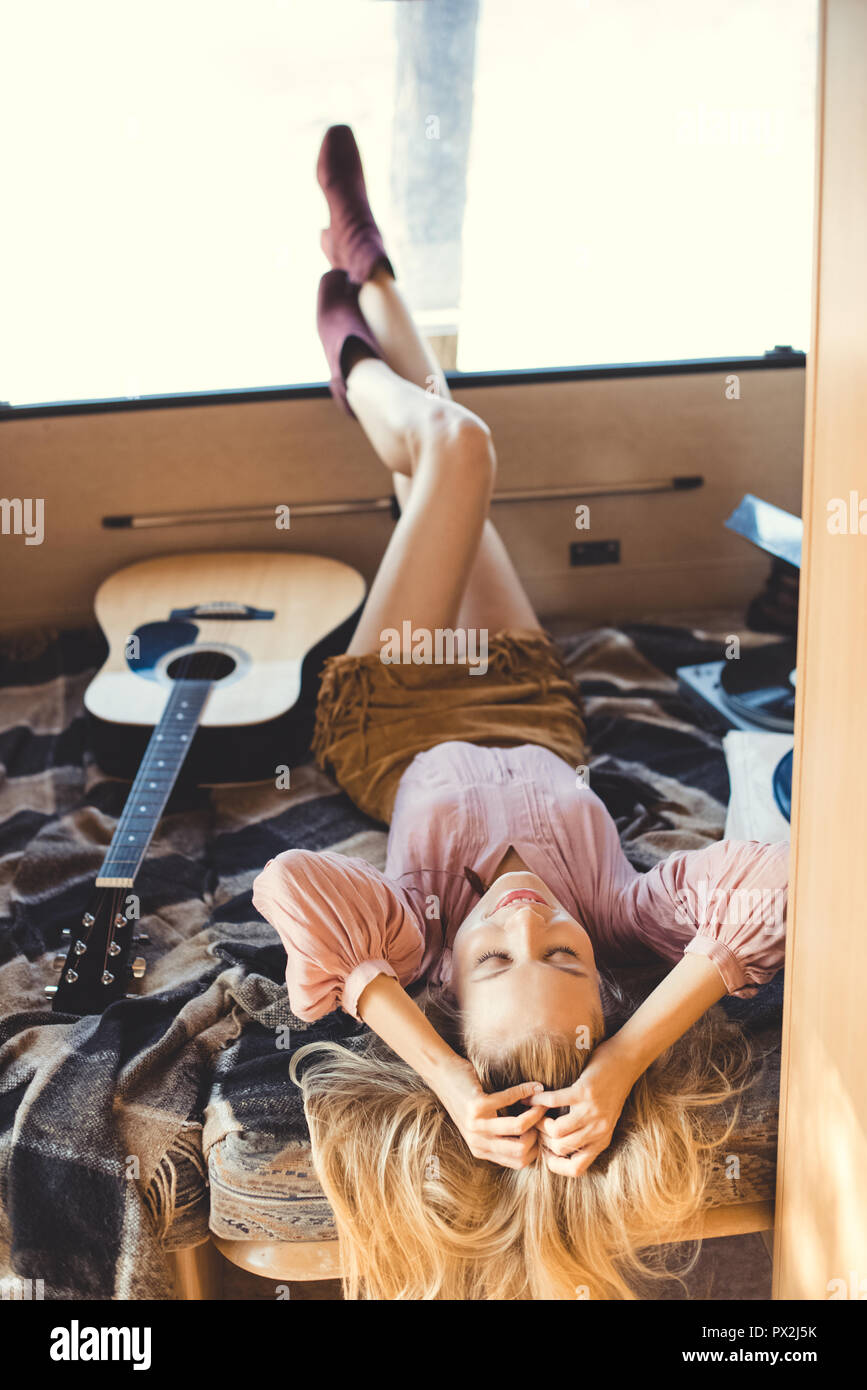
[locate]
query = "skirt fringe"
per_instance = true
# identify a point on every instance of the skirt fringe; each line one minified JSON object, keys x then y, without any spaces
{"x":372,"y":718}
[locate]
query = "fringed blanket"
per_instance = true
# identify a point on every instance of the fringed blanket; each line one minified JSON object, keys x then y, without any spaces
{"x":101,"y":1164}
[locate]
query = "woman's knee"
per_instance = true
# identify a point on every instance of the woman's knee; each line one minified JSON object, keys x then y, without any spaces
{"x":455,"y":437}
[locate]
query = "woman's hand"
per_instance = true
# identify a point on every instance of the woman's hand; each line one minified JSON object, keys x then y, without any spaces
{"x":510,"y":1140}
{"x":570,"y":1143}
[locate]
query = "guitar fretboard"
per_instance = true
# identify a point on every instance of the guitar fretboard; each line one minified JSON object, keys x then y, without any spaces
{"x":168,"y":747}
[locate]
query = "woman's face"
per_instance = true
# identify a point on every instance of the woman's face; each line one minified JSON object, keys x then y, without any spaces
{"x":521,"y":964}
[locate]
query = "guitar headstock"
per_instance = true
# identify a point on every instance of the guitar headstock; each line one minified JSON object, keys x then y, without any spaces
{"x":98,"y":964}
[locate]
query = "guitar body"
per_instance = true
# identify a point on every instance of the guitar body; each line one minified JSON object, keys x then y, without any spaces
{"x":299,"y":610}
{"x":212,"y":673}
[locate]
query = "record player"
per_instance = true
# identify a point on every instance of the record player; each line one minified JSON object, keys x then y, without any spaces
{"x":756,"y":691}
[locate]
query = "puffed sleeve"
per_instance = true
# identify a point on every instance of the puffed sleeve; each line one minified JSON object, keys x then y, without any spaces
{"x":727,"y":901}
{"x":342,"y":923}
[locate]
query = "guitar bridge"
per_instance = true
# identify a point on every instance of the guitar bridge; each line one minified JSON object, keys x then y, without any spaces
{"x":222,"y":611}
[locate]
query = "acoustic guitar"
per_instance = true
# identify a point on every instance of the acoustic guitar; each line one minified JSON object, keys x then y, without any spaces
{"x":211,"y":673}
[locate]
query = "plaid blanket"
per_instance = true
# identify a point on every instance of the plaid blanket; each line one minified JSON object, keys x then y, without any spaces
{"x":101,"y":1161}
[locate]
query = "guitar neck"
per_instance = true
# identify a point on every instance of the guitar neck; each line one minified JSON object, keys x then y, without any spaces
{"x":164,"y":757}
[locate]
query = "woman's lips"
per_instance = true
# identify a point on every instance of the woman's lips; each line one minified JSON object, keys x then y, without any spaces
{"x":520,"y":893}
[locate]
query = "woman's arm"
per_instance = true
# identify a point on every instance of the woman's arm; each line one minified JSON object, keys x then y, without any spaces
{"x":510,"y":1140}
{"x":385,"y":1006}
{"x":341,"y":922}
{"x":719,"y":913}
{"x":572,"y":1142}
{"x":727,"y":901}
{"x":686,"y":993}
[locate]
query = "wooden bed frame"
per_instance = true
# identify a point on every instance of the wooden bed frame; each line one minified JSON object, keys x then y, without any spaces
{"x":198,"y":1270}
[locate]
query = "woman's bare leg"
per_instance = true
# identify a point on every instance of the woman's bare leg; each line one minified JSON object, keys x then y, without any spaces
{"x":494,"y":596}
{"x":446,"y":453}
{"x":390,"y":321}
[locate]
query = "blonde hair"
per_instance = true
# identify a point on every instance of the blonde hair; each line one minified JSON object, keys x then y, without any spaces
{"x":419,"y":1218}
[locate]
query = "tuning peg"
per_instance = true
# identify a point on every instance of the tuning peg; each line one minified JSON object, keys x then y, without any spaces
{"x":88,"y":919}
{"x":107,"y":977}
{"x":138,"y":967}
{"x":120,"y":920}
{"x":50,"y":991}
{"x":80,"y":948}
{"x":71,"y":977}
{"x":114,"y":949}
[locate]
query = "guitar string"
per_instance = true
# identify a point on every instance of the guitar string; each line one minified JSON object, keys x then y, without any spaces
{"x":210,"y":677}
{"x":148,"y":768}
{"x":124,"y":819}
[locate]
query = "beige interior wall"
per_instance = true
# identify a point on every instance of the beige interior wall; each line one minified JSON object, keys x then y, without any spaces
{"x":675,"y":552}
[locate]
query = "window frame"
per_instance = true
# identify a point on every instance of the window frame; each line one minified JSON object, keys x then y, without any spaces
{"x":772,"y":359}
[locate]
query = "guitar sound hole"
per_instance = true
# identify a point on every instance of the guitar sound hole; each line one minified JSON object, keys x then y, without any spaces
{"x":201,"y":666}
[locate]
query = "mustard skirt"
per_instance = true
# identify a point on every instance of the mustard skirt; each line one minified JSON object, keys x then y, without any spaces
{"x":372,"y":718}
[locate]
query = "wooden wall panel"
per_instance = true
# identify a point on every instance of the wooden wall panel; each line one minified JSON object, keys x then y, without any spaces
{"x":821,"y":1225}
{"x":675,"y":553}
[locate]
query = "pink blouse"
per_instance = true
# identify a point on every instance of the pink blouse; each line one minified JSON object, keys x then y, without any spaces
{"x":460,"y":806}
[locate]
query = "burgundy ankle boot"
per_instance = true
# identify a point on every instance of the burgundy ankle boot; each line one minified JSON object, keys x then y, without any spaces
{"x":353,"y":241}
{"x":339,"y":319}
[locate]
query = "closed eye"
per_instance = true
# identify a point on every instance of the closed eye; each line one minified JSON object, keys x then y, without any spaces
{"x":551,"y":951}
{"x":493,"y":955}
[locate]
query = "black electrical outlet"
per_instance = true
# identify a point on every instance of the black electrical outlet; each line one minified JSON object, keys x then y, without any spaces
{"x":594,"y":553}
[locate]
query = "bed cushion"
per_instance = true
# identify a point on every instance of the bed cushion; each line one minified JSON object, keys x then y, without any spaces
{"x":263,"y":1186}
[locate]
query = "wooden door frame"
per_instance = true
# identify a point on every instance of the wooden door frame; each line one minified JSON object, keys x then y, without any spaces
{"x":821,"y":1207}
